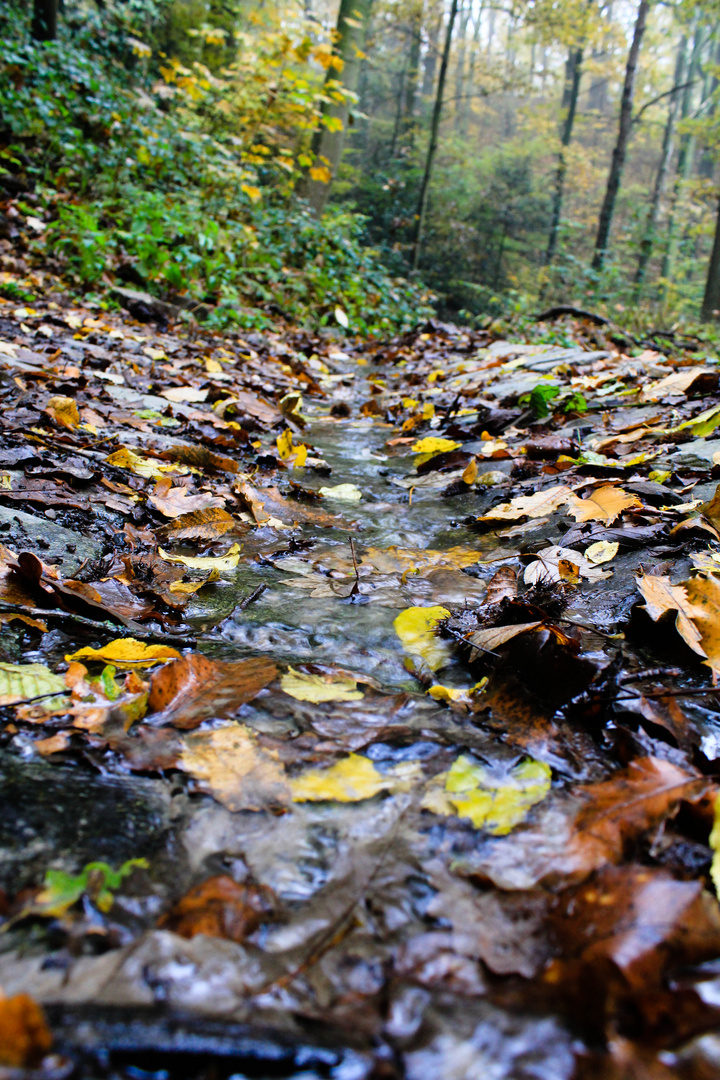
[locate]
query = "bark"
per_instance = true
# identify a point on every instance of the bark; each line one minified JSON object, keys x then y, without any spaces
{"x":646,"y":247}
{"x":711,"y":301}
{"x":428,"y":83}
{"x":573,"y":74}
{"x":620,"y":150}
{"x":686,"y":154}
{"x":44,"y":20}
{"x":432,"y":147}
{"x":460,"y":63}
{"x":413,"y":72}
{"x":352,"y":23}
{"x":706,"y":168}
{"x":465,"y":104}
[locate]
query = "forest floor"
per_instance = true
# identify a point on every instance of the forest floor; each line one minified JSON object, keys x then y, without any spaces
{"x":358,"y":703}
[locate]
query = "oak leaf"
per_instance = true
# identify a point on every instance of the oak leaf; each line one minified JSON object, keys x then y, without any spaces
{"x":604,"y":504}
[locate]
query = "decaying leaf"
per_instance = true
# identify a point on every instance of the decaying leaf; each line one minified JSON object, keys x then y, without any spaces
{"x":307,"y":687}
{"x":25,"y":682}
{"x":174,"y":502}
{"x":127,"y":653}
{"x":433,"y":444}
{"x":343,"y":492}
{"x":532,"y":506}
{"x":188,"y":691}
{"x":220,"y":907}
{"x":207,"y":524}
{"x":555,"y":564}
{"x":493,"y":801}
{"x":25,"y":1037}
{"x":150,"y":468}
{"x":221,"y":563}
{"x":64,"y":411}
{"x":393,"y":559}
{"x":416,"y":629}
{"x":228,"y":764}
{"x":495,"y":636}
{"x":605,"y":504}
{"x":601,"y":552}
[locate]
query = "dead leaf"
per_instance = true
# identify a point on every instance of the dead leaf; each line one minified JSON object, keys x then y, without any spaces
{"x":308,"y":687}
{"x":220,"y":563}
{"x":228,"y":764}
{"x":207,"y":524}
{"x":194,"y":688}
{"x":178,"y":501}
{"x":533,"y":506}
{"x":554,"y":564}
{"x":416,"y":629}
{"x":495,"y":636}
{"x":64,"y":411}
{"x":662,"y":598}
{"x":220,"y":907}
{"x":25,"y":1037}
{"x":604,"y":504}
{"x":350,"y":780}
{"x":127,"y":653}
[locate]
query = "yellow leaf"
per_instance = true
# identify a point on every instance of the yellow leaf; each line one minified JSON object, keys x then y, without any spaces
{"x":433,"y":445}
{"x":428,"y":410}
{"x":390,"y":560}
{"x":20,"y":682}
{"x":64,"y":411}
{"x":470,"y":472}
{"x":496,"y":803}
{"x":350,"y":780}
{"x":461,"y":695}
{"x":605,"y":504}
{"x":147,"y":467}
{"x":321,"y":173}
{"x":704,"y":595}
{"x":415,"y":627}
{"x":127,"y":653}
{"x":300,"y":457}
{"x":305,"y":687}
{"x":284,"y":443}
{"x":602,"y":551}
{"x":344,"y":492}
{"x":253,"y":193}
{"x":228,"y":561}
{"x":228,"y":763}
{"x":715,"y":845}
{"x":533,"y":506}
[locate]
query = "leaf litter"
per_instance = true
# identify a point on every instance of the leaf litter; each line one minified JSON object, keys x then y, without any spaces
{"x":418,"y":664}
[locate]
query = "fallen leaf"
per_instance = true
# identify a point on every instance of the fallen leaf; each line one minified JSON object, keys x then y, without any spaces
{"x":228,"y":561}
{"x":494,"y":801}
{"x":554,"y":563}
{"x":661,"y":598}
{"x":178,"y":501}
{"x":714,"y":842}
{"x":228,"y":764}
{"x":207,"y":524}
{"x":432,"y":444}
{"x":533,"y":506}
{"x":703,"y":594}
{"x":220,"y":907}
{"x":604,"y":504}
{"x":306,"y":687}
{"x":194,"y":688}
{"x":495,"y":636}
{"x":149,"y":468}
{"x":23,"y":682}
{"x":64,"y":411}
{"x":343,"y":492}
{"x":284,"y":443}
{"x":601,"y":552}
{"x":415,"y":627}
{"x":127,"y":653}
{"x":677,"y":383}
{"x":25,"y":1037}
{"x":184,"y":393}
{"x":350,"y":780}
{"x":97,"y":879}
{"x":393,"y":559}
{"x":502,"y":586}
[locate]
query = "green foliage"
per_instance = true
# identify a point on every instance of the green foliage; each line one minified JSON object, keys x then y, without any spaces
{"x":181,"y":182}
{"x":539,"y":397}
{"x":98,"y":880}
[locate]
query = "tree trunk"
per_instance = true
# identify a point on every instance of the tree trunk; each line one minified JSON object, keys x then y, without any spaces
{"x":711,"y":302}
{"x":460,"y":63}
{"x":706,"y":168}
{"x":44,"y":20}
{"x":411,"y":85}
{"x":434,"y":126}
{"x":328,"y":144}
{"x":686,"y":154}
{"x":465,"y":104}
{"x":620,"y":151}
{"x":428,"y":82}
{"x":573,"y":74}
{"x":646,"y":247}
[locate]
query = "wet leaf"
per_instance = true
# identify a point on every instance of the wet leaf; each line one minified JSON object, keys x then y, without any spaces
{"x":98,"y":880}
{"x":127,"y":653}
{"x":184,"y":393}
{"x":221,"y":563}
{"x":64,"y":411}
{"x":533,"y":506}
{"x":433,"y":444}
{"x":601,"y":552}
{"x":715,"y":845}
{"x":307,"y":687}
{"x":663,"y":598}
{"x":352,"y":779}
{"x":416,"y":629}
{"x":207,"y":524}
{"x":188,"y":691}
{"x":22,"y":682}
{"x":149,"y":468}
{"x":343,"y":492}
{"x":25,"y":1037}
{"x":493,"y":802}
{"x":178,"y":501}
{"x":228,"y":764}
{"x":220,"y":907}
{"x":555,"y":564}
{"x":495,"y":636}
{"x":605,"y":504}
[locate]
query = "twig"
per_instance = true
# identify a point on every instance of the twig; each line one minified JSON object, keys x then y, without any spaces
{"x":92,"y":624}
{"x":254,"y":595}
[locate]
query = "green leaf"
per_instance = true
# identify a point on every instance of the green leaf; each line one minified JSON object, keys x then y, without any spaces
{"x":61,"y":890}
{"x":23,"y":682}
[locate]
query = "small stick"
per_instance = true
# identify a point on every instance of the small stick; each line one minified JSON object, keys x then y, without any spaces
{"x":254,"y":595}
{"x":92,"y":624}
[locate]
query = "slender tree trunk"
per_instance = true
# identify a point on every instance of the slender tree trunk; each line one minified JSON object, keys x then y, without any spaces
{"x":620,"y":151}
{"x":646,"y":247}
{"x":491,"y":30}
{"x":329,"y":138}
{"x":465,"y":104}
{"x":573,"y":74}
{"x":686,"y":153}
{"x":460,"y":62}
{"x":44,"y":20}
{"x":411,"y":83}
{"x":432,"y":148}
{"x":428,"y":82}
{"x":711,"y":301}
{"x":706,"y":167}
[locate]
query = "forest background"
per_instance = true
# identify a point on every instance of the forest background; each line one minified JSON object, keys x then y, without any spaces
{"x":251,"y":161}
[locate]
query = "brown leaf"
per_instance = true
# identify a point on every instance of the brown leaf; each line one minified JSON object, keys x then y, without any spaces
{"x":199,"y":457}
{"x":199,"y":525}
{"x":663,"y":598}
{"x":190,"y":690}
{"x":228,"y":763}
{"x":502,"y":585}
{"x":178,"y":501}
{"x":221,"y":908}
{"x":495,"y":636}
{"x":25,"y":1037}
